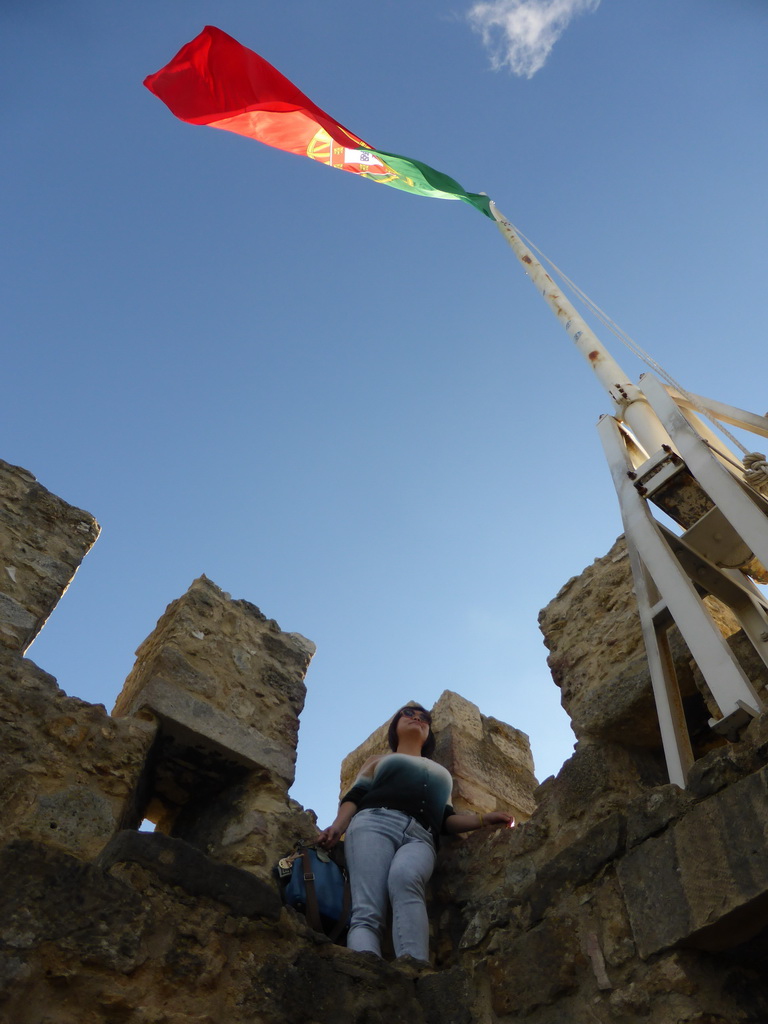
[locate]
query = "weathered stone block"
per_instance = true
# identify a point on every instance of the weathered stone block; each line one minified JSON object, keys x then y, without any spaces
{"x":178,"y":863}
{"x":230,"y":661}
{"x":479,"y":877}
{"x":42,"y":542}
{"x":328,"y":986}
{"x":596,"y":782}
{"x":447,"y":997}
{"x":653,"y":811}
{"x":70,"y":775}
{"x":50,"y":897}
{"x":597,"y":654}
{"x":604,"y":915}
{"x":703,"y":882}
{"x":73,"y":812}
{"x":713,"y":772}
{"x":250,"y":825}
{"x":535,"y":968}
{"x":578,"y":863}
{"x":482,"y":918}
{"x":191,"y":721}
{"x":490,"y":761}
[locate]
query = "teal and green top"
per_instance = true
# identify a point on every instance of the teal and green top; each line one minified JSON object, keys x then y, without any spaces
{"x":409,"y":783}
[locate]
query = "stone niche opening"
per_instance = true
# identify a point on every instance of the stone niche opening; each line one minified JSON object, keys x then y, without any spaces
{"x":189,"y":786}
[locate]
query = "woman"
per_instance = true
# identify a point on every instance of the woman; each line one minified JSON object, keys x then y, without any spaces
{"x":392,"y":816}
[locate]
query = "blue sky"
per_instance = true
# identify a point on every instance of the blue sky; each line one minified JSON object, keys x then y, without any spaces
{"x":346,"y":404}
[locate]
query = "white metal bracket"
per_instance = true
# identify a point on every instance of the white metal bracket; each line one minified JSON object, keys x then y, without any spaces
{"x":671,"y":573}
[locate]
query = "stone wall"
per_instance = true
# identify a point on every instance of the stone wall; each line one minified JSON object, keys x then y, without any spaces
{"x":620,"y":899}
{"x":70,"y":775}
{"x":203,"y":737}
{"x":42,"y":542}
{"x":654,"y":911}
{"x":158,"y":937}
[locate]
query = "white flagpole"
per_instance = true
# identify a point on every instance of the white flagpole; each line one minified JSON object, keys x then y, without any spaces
{"x":721,"y":538}
{"x":630,"y":403}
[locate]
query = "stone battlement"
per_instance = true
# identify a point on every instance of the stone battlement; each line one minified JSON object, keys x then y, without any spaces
{"x":620,"y":898}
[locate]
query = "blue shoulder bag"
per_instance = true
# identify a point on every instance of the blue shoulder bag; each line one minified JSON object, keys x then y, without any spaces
{"x":314,"y":884}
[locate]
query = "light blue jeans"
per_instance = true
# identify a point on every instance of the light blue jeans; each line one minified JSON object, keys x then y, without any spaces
{"x":390,"y":857}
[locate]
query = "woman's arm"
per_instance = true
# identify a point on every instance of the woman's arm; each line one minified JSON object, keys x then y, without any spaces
{"x":331,"y":835}
{"x":470,"y":821}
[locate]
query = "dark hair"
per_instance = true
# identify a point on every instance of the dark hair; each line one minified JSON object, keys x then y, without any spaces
{"x":429,"y":744}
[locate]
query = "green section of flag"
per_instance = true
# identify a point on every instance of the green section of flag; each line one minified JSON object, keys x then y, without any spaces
{"x":414,"y":176}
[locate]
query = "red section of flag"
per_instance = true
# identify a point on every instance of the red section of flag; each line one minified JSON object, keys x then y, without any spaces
{"x":216,"y":81}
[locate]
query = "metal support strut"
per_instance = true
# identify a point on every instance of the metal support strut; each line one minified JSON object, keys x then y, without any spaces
{"x":661,"y":455}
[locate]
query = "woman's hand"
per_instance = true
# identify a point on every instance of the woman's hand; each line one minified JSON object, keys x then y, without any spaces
{"x":330,"y":836}
{"x":471,"y":821}
{"x":498,"y":818}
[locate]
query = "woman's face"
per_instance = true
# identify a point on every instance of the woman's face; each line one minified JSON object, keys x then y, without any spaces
{"x":413,"y":726}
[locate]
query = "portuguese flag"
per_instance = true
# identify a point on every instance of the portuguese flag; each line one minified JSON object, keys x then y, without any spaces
{"x":216,"y":81}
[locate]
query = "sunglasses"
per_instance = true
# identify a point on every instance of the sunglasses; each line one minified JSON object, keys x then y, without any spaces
{"x":420,"y":716}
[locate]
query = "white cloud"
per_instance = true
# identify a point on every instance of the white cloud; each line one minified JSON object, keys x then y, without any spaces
{"x":521,"y":33}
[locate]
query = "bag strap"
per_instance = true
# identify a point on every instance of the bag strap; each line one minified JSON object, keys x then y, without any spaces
{"x":346,"y":907}
{"x":313,"y":909}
